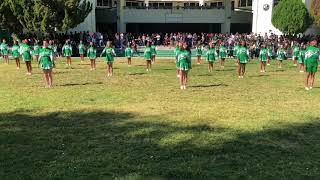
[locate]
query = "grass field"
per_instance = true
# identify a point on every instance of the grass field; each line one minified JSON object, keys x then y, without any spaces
{"x":139,"y":125}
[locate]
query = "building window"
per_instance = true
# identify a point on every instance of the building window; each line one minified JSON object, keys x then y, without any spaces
{"x":104,"y":3}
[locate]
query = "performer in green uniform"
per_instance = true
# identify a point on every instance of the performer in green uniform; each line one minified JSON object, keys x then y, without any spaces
{"x":263,"y":56}
{"x":110,"y":53}
{"x":281,"y":55}
{"x":199,"y":50}
{"x":211,"y":56}
{"x":25,"y":52}
{"x":311,"y":61}
{"x":82,"y":50}
{"x":92,"y":55}
{"x":46,"y":63}
{"x":270,"y":53}
{"x":153,"y":48}
{"x":295,"y":53}
{"x":301,"y":58}
{"x":36,"y":51}
{"x":67,"y":52}
{"x":176,"y":52}
{"x":243,"y":57}
{"x":4,"y":50}
{"x":128,"y":53}
{"x":235,"y":50}
{"x":148,"y":56}
{"x":15,"y":50}
{"x":184,"y":60}
{"x":222,"y":54}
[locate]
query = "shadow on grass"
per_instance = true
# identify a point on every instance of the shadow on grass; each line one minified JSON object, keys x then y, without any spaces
{"x":135,"y":74}
{"x":260,"y":75}
{"x":209,"y":85}
{"x":221,"y":70}
{"x":80,"y":84}
{"x":91,"y":145}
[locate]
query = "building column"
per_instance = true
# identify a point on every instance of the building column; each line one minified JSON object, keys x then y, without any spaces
{"x":225,"y":27}
{"x":201,"y":2}
{"x":121,"y":25}
{"x":146,"y":3}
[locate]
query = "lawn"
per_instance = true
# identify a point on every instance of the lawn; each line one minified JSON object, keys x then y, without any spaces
{"x":140,"y":125}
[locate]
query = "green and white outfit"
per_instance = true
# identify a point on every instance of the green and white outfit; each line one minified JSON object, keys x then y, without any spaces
{"x":281,"y":54}
{"x":211,"y":54}
{"x":36,"y":50}
{"x":243,"y":55}
{"x":177,"y":52}
{"x":147,"y":54}
{"x":302,"y":54}
{"x":296,"y":50}
{"x":312,"y":59}
{"x":235,"y":50}
{"x":264,"y":53}
{"x":110,"y":53}
{"x":222,"y":52}
{"x":67,"y":50}
{"x":46,"y":58}
{"x":81,"y":48}
{"x":15,"y":50}
{"x":4,"y":49}
{"x":128,"y":52}
{"x":184,"y":60}
{"x":199,"y":51}
{"x":25,"y":52}
{"x":270,"y":51}
{"x":92,"y":53}
{"x":153,"y":50}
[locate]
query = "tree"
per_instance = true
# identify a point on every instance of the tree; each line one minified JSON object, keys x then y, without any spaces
{"x":44,"y":15}
{"x":315,"y":11}
{"x":291,"y":17}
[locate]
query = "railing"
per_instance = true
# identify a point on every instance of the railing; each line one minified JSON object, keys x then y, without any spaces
{"x":174,"y":7}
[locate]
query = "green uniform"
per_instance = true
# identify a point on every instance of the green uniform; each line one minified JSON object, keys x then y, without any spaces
{"x":128,"y":52}
{"x":81,"y":49}
{"x":199,"y":51}
{"x":281,"y":54}
{"x":211,"y":54}
{"x":184,"y":60}
{"x":296,"y":50}
{"x":270,"y":51}
{"x":110,"y":53}
{"x":15,"y":51}
{"x":4,"y":49}
{"x":243,"y":55}
{"x":147,"y":53}
{"x":92,"y":52}
{"x":235,"y":50}
{"x":177,"y":52}
{"x":67,"y":50}
{"x":46,"y":58}
{"x":312,"y":58}
{"x":222,"y":52}
{"x":36,"y":50}
{"x":301,"y":56}
{"x":264,"y":53}
{"x":153,"y":50}
{"x":25,"y":51}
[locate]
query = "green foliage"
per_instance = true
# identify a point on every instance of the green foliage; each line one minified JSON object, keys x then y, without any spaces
{"x":43,"y":15}
{"x":315,"y":11}
{"x":291,"y":17}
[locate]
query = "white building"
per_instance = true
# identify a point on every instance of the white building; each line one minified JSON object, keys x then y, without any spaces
{"x":262,"y":14}
{"x":169,"y":15}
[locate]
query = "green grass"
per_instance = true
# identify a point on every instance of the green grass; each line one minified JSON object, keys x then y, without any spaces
{"x":139,"y":125}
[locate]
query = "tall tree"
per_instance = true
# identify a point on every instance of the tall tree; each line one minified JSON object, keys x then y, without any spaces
{"x":44,"y":15}
{"x":315,"y":11}
{"x":291,"y":17}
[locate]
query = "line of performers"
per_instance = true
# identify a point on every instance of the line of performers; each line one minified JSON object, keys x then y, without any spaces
{"x":308,"y":57}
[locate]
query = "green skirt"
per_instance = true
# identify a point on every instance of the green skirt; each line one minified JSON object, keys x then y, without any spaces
{"x":184,"y":66}
{"x":46,"y":65}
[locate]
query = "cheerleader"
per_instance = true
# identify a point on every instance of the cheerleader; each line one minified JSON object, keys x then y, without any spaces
{"x":81,"y":48}
{"x":110,"y":53}
{"x":270,"y":54}
{"x":15,"y":53}
{"x":25,"y":52}
{"x":199,"y":50}
{"x":295,"y":53}
{"x":211,"y":56}
{"x":46,"y":63}
{"x":67,"y":52}
{"x":4,"y":50}
{"x":176,"y":52}
{"x":222,"y":54}
{"x":243,"y":57}
{"x":92,"y":55}
{"x":36,"y":51}
{"x":128,"y":53}
{"x":264,"y":57}
{"x":184,"y":60}
{"x":281,"y":55}
{"x":301,"y":58}
{"x":235,"y":50}
{"x":148,"y":56}
{"x":153,"y":48}
{"x":52,"y":47}
{"x":311,"y":61}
